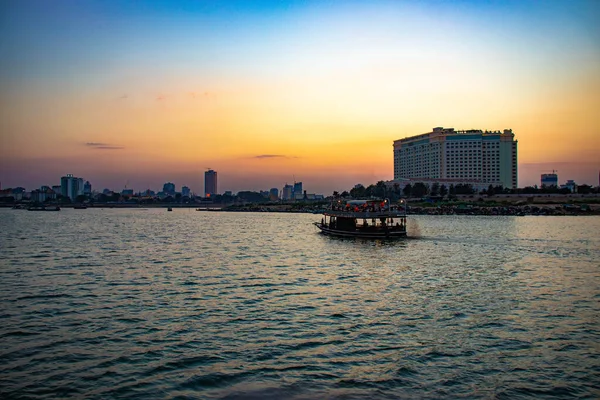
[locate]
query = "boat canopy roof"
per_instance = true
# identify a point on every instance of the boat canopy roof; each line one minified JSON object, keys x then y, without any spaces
{"x":361,"y":202}
{"x":365,"y":214}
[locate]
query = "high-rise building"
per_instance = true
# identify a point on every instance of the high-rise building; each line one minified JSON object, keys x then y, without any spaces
{"x":297,"y":193}
{"x":210,"y":183}
{"x":87,"y":188}
{"x":273,"y":194}
{"x":169,"y":188}
{"x":486,"y":157}
{"x":549,"y":180}
{"x":286,"y":193}
{"x":185,"y":191}
{"x":71,"y":186}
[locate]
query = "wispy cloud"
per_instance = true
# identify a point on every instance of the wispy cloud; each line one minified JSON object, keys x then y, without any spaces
{"x":270,"y":156}
{"x":267,"y":156}
{"x":103,"y":146}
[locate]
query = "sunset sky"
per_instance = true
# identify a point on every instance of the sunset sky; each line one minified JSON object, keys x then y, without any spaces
{"x":141,"y":93}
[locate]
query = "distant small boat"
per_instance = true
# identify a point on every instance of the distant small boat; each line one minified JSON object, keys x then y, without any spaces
{"x":79,"y":207}
{"x":43,"y":208}
{"x":169,"y":209}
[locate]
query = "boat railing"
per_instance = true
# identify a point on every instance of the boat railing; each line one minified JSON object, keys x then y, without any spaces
{"x":366,"y":214}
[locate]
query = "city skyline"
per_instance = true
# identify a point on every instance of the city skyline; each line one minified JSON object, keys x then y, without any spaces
{"x":286,"y":192}
{"x":262,"y":92}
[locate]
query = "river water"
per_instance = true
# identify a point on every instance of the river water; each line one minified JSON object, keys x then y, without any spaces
{"x":144,"y":303}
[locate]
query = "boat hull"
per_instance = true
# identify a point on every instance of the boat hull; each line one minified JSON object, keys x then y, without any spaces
{"x":365,"y":234}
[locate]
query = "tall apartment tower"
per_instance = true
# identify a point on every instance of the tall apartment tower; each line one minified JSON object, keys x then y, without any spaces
{"x":297,"y":193}
{"x":71,"y":186}
{"x":488,"y":157}
{"x":210,"y":183}
{"x":87,"y":188}
{"x":286,"y":192}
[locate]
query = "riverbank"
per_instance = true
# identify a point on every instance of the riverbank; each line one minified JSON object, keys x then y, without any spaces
{"x":574,"y":204}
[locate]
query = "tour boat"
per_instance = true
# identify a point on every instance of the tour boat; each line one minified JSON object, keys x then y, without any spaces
{"x":376,"y":219}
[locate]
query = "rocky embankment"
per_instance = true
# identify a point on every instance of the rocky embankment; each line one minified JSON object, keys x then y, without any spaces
{"x":506,"y":210}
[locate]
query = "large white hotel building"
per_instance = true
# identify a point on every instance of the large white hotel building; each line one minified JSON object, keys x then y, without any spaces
{"x":477,"y":157}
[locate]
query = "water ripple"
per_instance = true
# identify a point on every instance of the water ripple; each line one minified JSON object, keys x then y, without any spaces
{"x":119,"y":303}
